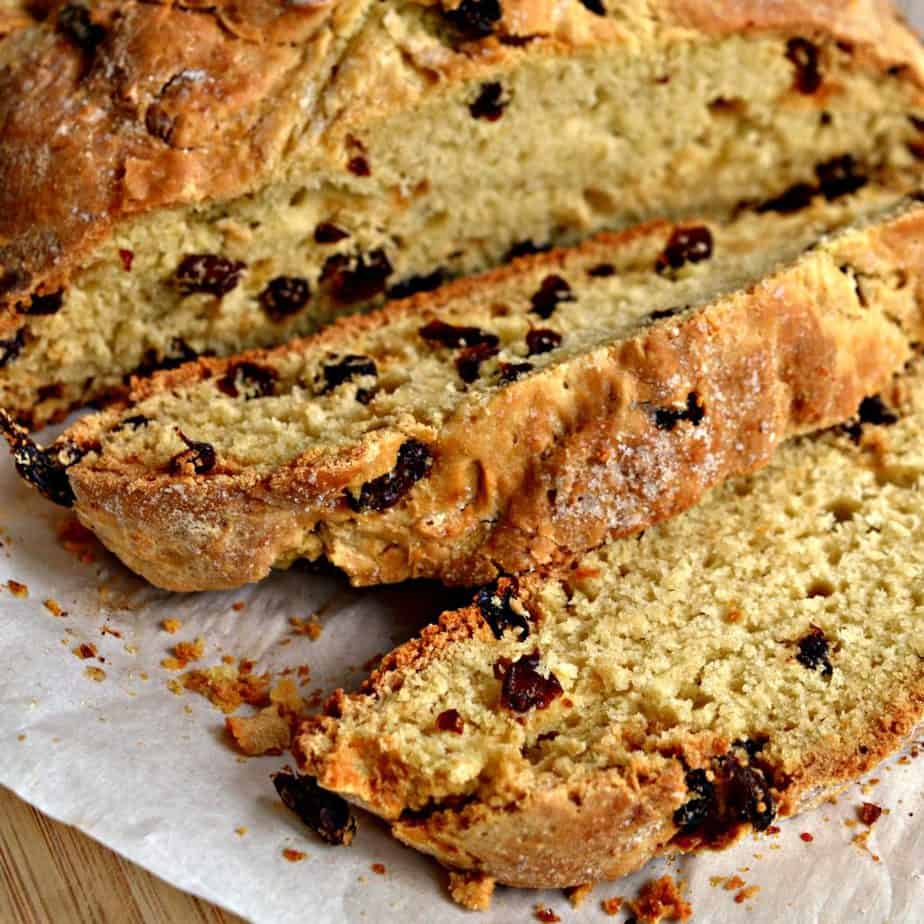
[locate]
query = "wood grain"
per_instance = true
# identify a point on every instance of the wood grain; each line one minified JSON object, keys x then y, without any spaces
{"x":52,"y":873}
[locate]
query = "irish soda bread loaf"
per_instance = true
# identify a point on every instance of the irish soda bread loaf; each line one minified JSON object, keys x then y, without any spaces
{"x":508,"y":421}
{"x":181,"y":178}
{"x":734,"y":665}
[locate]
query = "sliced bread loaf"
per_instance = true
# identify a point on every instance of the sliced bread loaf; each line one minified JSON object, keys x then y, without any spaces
{"x":509,"y":421}
{"x":738,"y":663}
{"x":182,"y":178}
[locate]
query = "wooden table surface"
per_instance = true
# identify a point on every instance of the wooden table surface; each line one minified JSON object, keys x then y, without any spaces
{"x":52,"y":874}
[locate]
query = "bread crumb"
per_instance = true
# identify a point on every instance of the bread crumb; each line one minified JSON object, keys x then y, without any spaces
{"x":21,"y":591}
{"x":285,"y":695}
{"x":97,"y":674}
{"x":869,"y":813}
{"x":294,"y":856}
{"x":577,"y":894}
{"x":241,"y":831}
{"x":471,"y":890}
{"x":310,"y":627}
{"x":612,"y":906}
{"x":106,"y":629}
{"x":85,"y":651}
{"x":546,"y":915}
{"x":378,"y":869}
{"x":746,"y":894}
{"x":239,"y":606}
{"x":732,"y":883}
{"x":171,"y":625}
{"x":20,"y":737}
{"x":227,"y":687}
{"x":54,"y":608}
{"x":660,"y":900}
{"x":267,"y":732}
{"x":190,"y":651}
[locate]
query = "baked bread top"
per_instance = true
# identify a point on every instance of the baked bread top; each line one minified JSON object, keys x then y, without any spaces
{"x":738,"y":663}
{"x":508,"y":421}
{"x":118,"y":107}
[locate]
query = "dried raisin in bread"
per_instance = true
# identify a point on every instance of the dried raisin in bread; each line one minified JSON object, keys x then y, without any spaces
{"x":181,"y":179}
{"x":506,"y":421}
{"x":736,"y":664}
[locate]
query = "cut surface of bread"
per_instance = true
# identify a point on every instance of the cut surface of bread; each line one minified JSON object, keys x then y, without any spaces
{"x":509,"y":421}
{"x":185,"y":179}
{"x":738,"y":663}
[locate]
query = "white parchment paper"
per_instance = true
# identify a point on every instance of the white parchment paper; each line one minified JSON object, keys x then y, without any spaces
{"x":150,"y":774}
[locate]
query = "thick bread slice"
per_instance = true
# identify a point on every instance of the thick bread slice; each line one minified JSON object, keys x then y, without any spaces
{"x":184,"y":178}
{"x":738,"y":663}
{"x":509,"y":421}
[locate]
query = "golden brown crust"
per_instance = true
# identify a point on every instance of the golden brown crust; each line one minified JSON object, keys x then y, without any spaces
{"x":580,"y":457}
{"x":83,"y":145}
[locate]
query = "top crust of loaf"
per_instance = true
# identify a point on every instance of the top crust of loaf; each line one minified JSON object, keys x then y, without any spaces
{"x":242,"y":83}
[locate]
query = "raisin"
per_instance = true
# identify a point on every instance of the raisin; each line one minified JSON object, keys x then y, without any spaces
{"x":359,"y":166}
{"x":839,"y":177}
{"x":44,"y":305}
{"x":284,"y":296}
{"x":365,"y":395}
{"x":542,"y":340}
{"x":475,"y":18}
{"x":805,"y":58}
{"x":873,"y":410}
{"x":488,"y":104}
{"x":695,"y":811}
{"x":201,"y":456}
{"x":468,"y":363}
{"x":449,"y":335}
{"x":44,"y":469}
{"x":524,"y":688}
{"x":662,"y":314}
{"x":76,"y":23}
{"x":209,"y":273}
{"x":510,"y":372}
{"x":414,"y":461}
{"x":11,"y":347}
{"x":553,"y":290}
{"x":747,"y":794}
{"x":158,"y":122}
{"x":252,"y":380}
{"x":667,"y":418}
{"x":358,"y":278}
{"x":602,"y":271}
{"x":792,"y":200}
{"x":327,"y":233}
{"x":127,"y":257}
{"x":814,"y":652}
{"x":686,"y":245}
{"x":525,"y":249}
{"x":595,"y":6}
{"x":414,"y":284}
{"x":494,"y":605}
{"x":450,"y":721}
{"x":135,"y":422}
{"x":324,"y":812}
{"x":345,"y":369}
{"x":178,"y":354}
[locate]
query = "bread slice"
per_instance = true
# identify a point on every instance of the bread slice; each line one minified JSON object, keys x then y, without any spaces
{"x":510,"y":421}
{"x":179,"y":179}
{"x":737,"y":664}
